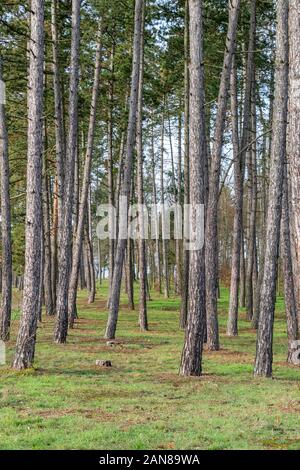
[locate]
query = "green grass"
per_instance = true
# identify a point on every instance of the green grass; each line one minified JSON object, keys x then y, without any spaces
{"x":66,"y":402}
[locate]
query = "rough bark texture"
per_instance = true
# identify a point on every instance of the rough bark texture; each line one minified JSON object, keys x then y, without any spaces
{"x":232,"y":325}
{"x":191,"y":360}
{"x":6,"y":271}
{"x":264,"y":348}
{"x":211,"y":239}
{"x":77,"y":245}
{"x":294,"y":136}
{"x":61,"y":327}
{"x":289,"y":286}
{"x":25,"y":347}
{"x":126,"y":183}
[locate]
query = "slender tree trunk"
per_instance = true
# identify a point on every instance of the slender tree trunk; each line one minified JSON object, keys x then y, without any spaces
{"x":288,"y":276}
{"x":59,"y":143}
{"x":143,"y":321}
{"x":178,"y":243}
{"x":232,"y":325}
{"x":77,"y":246}
{"x":252,"y":209}
{"x":6,"y":271}
{"x":186,"y":253}
{"x":211,"y":239}
{"x":294,"y":137}
{"x":25,"y":346}
{"x":163,"y":213}
{"x":157,"y":250}
{"x":264,"y":349}
{"x":126,"y":183}
{"x":191,"y":360}
{"x":61,"y":327}
{"x":47,"y":274}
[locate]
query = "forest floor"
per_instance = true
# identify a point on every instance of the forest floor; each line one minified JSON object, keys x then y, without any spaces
{"x":66,"y":402}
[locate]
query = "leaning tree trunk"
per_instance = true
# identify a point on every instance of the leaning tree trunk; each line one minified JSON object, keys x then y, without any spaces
{"x":211,"y":239}
{"x":61,"y":327}
{"x":294,"y":136}
{"x":264,"y":348}
{"x":143,"y":321}
{"x":25,"y":347}
{"x":6,"y":272}
{"x":232,"y":325}
{"x":191,"y":359}
{"x":77,"y":245}
{"x":126,"y":182}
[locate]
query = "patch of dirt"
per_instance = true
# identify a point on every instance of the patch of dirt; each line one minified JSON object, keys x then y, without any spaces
{"x":94,"y":413}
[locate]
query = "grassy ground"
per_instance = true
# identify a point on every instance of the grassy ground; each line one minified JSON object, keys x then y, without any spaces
{"x":142,"y":402}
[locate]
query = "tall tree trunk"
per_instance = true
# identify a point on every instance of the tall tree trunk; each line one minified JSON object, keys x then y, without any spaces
{"x":294,"y":137}
{"x":232,"y":325}
{"x":61,"y":327}
{"x":126,"y":183}
{"x":252,"y":208}
{"x":186,"y":253}
{"x":77,"y":246}
{"x":163,"y":212}
{"x":178,"y":243}
{"x":59,"y":147}
{"x":47,"y":274}
{"x":211,"y":239}
{"x":191,"y":359}
{"x":264,"y":349}
{"x":6,"y":271}
{"x":25,"y":346}
{"x":143,"y":321}
{"x":288,"y":276}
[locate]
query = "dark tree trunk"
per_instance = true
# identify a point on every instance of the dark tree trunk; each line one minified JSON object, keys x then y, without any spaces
{"x":6,"y":271}
{"x":191,"y":360}
{"x":25,"y":346}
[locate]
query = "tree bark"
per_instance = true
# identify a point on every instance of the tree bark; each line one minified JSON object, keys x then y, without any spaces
{"x":232,"y":325}
{"x":294,"y":137}
{"x":186,"y":254}
{"x":264,"y":348}
{"x":288,"y":276}
{"x":143,"y":321}
{"x":191,"y":359}
{"x":211,"y":239}
{"x":6,"y":271}
{"x":61,"y":327}
{"x":126,"y":183}
{"x":25,"y":346}
{"x":77,"y":245}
